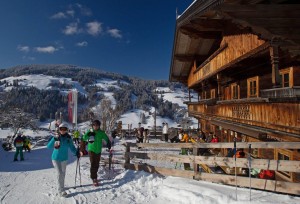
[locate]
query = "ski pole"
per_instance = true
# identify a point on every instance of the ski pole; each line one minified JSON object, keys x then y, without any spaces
{"x":110,"y":164}
{"x":78,"y":167}
{"x":250,"y":168}
{"x":110,"y":159}
{"x":234,"y":149}
{"x":76,"y":171}
{"x":110,"y":155}
{"x":79,"y":171}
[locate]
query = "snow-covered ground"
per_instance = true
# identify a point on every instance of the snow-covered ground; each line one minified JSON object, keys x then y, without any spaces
{"x":34,"y":181}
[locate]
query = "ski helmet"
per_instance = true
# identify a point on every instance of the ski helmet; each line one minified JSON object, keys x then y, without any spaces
{"x":63,"y":125}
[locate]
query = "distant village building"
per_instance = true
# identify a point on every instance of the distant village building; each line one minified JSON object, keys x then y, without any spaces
{"x":243,"y":60}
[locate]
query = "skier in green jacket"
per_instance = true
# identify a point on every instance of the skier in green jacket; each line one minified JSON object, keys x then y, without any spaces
{"x":94,"y":137}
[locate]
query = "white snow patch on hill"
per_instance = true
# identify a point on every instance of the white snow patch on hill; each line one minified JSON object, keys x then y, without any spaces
{"x":42,"y":82}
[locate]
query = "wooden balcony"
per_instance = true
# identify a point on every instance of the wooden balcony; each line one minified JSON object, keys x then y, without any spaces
{"x":258,"y":113}
{"x":228,"y":54}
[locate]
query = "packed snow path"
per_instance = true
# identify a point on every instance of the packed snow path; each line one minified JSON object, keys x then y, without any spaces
{"x":33,"y":181}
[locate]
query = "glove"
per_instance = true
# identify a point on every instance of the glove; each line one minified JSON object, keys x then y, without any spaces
{"x":108,"y":145}
{"x":56,"y":136}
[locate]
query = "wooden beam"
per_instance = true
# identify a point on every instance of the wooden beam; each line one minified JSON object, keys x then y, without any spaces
{"x":263,"y":184}
{"x":213,"y":55}
{"x":269,"y":10}
{"x":265,"y":145}
{"x":209,"y":24}
{"x":160,"y":171}
{"x":189,"y":58}
{"x":276,"y":165}
{"x":194,"y":33}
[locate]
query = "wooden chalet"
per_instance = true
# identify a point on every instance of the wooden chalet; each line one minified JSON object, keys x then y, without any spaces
{"x":242,"y":57}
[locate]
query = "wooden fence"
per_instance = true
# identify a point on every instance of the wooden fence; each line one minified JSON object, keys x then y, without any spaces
{"x":148,"y":152}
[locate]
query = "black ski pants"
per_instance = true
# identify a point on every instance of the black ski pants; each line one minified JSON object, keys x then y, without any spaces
{"x":95,"y":160}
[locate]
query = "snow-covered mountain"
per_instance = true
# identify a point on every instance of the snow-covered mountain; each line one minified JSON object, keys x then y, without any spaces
{"x":107,"y":85}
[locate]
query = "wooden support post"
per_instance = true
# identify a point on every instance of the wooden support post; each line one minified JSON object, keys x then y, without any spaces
{"x":196,"y":166}
{"x":219,"y":87}
{"x":203,"y":90}
{"x":275,"y":67}
{"x":127,"y":158}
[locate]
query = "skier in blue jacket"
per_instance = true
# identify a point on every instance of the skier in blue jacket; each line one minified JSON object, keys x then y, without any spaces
{"x":61,"y":143}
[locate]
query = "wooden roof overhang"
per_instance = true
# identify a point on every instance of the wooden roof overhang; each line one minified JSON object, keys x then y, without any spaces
{"x":199,"y":31}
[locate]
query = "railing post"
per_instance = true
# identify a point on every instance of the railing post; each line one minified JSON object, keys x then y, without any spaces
{"x":195,"y":165}
{"x":127,"y":158}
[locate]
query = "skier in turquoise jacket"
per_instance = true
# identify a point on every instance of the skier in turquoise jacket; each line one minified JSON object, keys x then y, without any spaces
{"x":61,"y":143}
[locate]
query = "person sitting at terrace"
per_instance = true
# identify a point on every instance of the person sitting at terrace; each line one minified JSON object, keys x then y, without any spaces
{"x":214,"y":139}
{"x":240,"y":153}
{"x":201,"y":136}
{"x":185,"y":137}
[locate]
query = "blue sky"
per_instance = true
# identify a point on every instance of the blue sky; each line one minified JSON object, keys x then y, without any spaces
{"x":131,"y":37}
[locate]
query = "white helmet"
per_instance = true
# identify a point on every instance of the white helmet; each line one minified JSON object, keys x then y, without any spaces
{"x":63,"y":125}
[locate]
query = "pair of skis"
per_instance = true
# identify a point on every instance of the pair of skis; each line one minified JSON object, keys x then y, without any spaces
{"x":249,"y":165}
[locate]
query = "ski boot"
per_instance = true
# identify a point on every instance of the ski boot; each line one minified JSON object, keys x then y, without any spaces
{"x":95,"y":182}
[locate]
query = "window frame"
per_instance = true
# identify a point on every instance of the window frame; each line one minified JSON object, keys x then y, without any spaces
{"x":234,"y":95}
{"x":213,"y":93}
{"x":288,"y":71}
{"x":249,"y":82}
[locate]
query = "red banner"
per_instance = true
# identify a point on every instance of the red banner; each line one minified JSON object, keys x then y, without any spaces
{"x":70,"y":107}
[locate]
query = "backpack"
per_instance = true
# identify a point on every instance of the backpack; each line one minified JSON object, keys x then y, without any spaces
{"x":267,"y":174}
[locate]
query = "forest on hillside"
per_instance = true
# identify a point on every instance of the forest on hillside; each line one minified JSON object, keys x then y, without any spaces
{"x":45,"y":103}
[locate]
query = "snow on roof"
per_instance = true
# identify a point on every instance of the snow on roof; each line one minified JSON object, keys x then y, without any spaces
{"x":178,"y":16}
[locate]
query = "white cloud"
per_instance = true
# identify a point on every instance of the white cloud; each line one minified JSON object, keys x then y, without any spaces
{"x":115,"y":33}
{"x":59,"y":15}
{"x":23,"y":48}
{"x":94,"y":28}
{"x":71,"y":29}
{"x":48,"y":49}
{"x":28,"y":58}
{"x":71,"y":12}
{"x":82,"y":44}
{"x":85,"y":11}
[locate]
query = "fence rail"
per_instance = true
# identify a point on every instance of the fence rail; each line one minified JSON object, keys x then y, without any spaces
{"x":224,"y":162}
{"x":280,"y":92}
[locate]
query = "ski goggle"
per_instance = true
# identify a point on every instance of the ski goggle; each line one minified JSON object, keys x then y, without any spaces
{"x":63,"y":129}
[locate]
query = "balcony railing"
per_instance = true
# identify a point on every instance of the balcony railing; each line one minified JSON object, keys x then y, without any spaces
{"x":285,"y":92}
